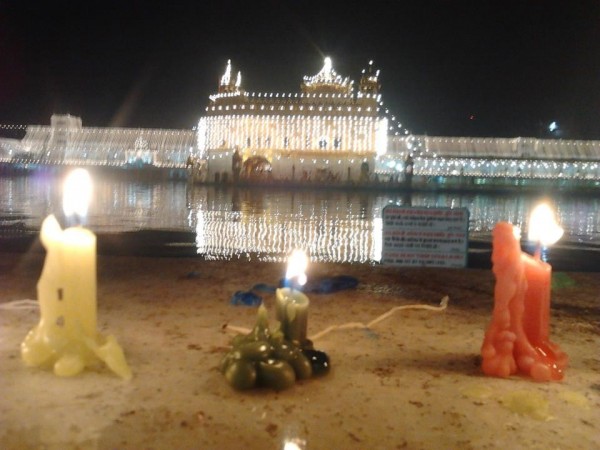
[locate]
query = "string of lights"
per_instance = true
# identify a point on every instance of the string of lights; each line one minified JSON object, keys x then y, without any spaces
{"x":325,"y":131}
{"x":13,"y":127}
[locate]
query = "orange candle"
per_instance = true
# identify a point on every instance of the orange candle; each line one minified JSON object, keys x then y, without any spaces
{"x":517,"y":339}
{"x":536,"y":315}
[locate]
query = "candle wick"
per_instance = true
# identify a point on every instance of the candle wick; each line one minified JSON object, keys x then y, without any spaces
{"x":78,"y":220}
{"x":538,"y":252}
{"x":292,"y":283}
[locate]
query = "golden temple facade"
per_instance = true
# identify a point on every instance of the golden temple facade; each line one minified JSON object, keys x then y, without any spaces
{"x":325,"y":132}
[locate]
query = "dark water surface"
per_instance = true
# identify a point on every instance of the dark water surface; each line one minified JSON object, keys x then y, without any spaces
{"x":175,"y":218}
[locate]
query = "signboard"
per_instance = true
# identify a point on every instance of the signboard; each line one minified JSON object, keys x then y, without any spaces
{"x":425,"y":237}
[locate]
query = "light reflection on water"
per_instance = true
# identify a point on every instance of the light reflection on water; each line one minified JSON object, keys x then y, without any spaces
{"x":332,"y":225}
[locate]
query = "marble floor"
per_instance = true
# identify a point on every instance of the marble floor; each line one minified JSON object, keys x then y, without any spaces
{"x":411,"y":381}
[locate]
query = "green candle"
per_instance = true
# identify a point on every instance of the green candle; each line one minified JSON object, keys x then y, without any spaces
{"x":291,"y":304}
{"x":292,"y":312}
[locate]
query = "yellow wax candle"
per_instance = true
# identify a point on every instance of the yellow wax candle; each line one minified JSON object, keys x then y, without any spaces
{"x":66,"y":335}
{"x":79,"y":259}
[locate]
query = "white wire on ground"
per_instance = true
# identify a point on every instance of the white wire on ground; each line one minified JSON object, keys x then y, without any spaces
{"x":359,"y":325}
{"x":16,"y":305}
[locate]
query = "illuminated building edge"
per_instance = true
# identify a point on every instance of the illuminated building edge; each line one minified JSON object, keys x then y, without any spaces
{"x":326,"y":129}
{"x":325,"y":132}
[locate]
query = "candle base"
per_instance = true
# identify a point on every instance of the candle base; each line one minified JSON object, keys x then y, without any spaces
{"x":69,"y":356}
{"x":266,"y":358}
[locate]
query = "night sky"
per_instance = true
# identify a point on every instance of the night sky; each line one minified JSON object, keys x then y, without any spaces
{"x":448,"y":68}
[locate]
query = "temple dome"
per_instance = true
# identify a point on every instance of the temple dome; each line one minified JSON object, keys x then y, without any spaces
{"x":327,"y":81}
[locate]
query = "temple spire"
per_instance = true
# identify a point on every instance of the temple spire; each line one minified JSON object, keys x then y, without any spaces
{"x":228,"y":84}
{"x":226,"y":78}
{"x":369,"y":82}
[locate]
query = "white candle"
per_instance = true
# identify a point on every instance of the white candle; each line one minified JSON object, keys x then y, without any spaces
{"x":292,"y":304}
{"x":66,"y":336}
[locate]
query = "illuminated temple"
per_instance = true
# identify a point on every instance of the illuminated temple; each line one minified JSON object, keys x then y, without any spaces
{"x":325,"y":133}
{"x":330,"y":132}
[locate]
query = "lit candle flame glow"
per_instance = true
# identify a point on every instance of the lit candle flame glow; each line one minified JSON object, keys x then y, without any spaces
{"x":297,"y":264}
{"x":77,"y":193}
{"x":543,"y":227}
{"x":517,"y":233}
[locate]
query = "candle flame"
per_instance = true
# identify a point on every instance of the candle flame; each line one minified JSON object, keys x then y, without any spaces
{"x":297,"y":264}
{"x":543,"y":227}
{"x":77,"y":193}
{"x":517,"y":233}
